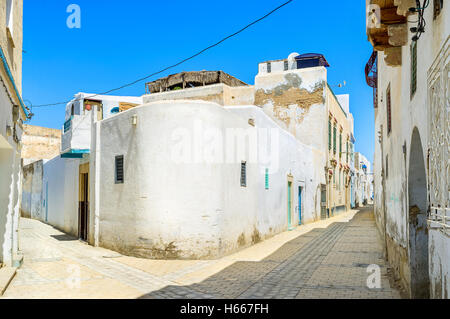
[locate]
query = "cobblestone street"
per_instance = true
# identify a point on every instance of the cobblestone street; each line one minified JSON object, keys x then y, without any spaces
{"x":327,"y":259}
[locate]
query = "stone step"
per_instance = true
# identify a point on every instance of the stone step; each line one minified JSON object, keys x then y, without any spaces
{"x":6,"y":275}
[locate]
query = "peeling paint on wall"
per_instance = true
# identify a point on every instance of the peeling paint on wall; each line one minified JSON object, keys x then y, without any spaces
{"x":289,"y":94}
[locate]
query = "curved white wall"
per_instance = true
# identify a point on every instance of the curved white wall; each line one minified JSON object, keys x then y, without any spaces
{"x":167,"y":208}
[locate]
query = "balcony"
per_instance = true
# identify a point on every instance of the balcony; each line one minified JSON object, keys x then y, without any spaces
{"x":76,"y":138}
{"x":387,"y":28}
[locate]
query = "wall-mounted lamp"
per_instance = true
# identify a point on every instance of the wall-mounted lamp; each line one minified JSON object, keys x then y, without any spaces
{"x":134,"y":119}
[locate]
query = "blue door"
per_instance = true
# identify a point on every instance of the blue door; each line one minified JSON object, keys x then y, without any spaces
{"x":299,"y":205}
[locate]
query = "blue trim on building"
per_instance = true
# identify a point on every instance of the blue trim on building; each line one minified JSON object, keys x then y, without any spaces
{"x":11,"y":78}
{"x":75,"y":153}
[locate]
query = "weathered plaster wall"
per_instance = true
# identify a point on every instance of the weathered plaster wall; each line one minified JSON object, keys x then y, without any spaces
{"x":158,"y":213}
{"x":295,"y":99}
{"x":10,"y":177}
{"x":10,"y":163}
{"x":40,"y":143}
{"x":218,"y":93}
{"x":12,"y":48}
{"x":32,"y":192}
{"x":408,"y":112}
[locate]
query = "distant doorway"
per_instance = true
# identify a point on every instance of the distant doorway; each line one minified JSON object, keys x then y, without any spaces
{"x":83,"y":207}
{"x":417,"y":219}
{"x":323,"y":202}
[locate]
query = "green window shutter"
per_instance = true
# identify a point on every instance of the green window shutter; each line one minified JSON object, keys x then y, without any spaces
{"x":329,"y":134}
{"x":334,"y":139}
{"x":267,"y":178}
{"x":340,"y":144}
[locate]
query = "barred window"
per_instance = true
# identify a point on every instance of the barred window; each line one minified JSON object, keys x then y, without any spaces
{"x":269,"y":67}
{"x":388,"y":109}
{"x":329,"y":134}
{"x":119,"y":173}
{"x":413,"y":67}
{"x":334,"y":139}
{"x":244,"y":174}
{"x":286,"y":65}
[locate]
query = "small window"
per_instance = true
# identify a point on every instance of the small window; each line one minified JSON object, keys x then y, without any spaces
{"x":269,"y":67}
{"x":388,"y":109}
{"x":438,"y":5}
{"x":244,"y":174}
{"x":413,"y":67}
{"x":119,"y":178}
{"x":286,"y":65}
{"x":266,"y":179}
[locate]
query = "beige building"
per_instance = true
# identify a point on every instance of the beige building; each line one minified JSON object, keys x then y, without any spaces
{"x":296,"y":94}
{"x":40,"y":143}
{"x":12,"y":115}
{"x":409,"y":72}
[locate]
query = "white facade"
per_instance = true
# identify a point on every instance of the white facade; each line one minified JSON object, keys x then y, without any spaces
{"x":76,"y":136}
{"x":363,"y":180}
{"x":411,"y":175}
{"x":182,"y":203}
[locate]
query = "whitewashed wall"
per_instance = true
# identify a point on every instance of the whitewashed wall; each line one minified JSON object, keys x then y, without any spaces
{"x":61,"y":180}
{"x":172,"y":209}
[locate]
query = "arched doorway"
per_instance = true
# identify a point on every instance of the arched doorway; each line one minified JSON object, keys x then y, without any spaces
{"x":417,"y":219}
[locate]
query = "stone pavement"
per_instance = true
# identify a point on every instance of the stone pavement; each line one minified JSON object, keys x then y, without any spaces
{"x":326,"y":259}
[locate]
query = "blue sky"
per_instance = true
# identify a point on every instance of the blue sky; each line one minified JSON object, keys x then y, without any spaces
{"x":120,"y":41}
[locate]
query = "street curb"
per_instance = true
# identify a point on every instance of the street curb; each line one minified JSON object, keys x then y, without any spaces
{"x":6,"y":276}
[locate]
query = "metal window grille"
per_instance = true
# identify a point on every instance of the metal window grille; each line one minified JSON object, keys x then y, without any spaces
{"x":388,"y":108}
{"x":119,"y":172}
{"x":286,"y":65}
{"x":413,"y":68}
{"x":244,"y":174}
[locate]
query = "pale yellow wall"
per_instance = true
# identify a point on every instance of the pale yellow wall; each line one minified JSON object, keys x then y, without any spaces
{"x":340,"y":195}
{"x":13,"y":48}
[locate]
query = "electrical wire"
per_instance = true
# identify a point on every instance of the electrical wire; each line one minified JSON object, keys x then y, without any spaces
{"x":178,"y":63}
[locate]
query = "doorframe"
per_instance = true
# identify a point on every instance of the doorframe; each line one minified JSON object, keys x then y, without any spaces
{"x":83,"y":187}
{"x":290,"y":184}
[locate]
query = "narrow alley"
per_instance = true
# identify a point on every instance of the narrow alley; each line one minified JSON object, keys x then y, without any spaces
{"x":326,"y":259}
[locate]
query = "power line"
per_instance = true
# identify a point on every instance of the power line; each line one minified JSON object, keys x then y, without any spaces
{"x":178,"y":63}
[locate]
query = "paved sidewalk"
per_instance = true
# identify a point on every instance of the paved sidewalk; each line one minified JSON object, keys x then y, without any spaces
{"x":326,"y":259}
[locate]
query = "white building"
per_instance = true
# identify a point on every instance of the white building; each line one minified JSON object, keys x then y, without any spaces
{"x":61,"y":201}
{"x":204,"y":167}
{"x":13,"y":113}
{"x":410,"y":76}
{"x":363,"y":180}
